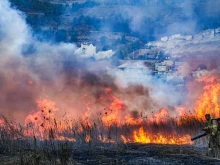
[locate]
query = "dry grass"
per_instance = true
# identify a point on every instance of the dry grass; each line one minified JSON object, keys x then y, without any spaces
{"x":25,"y":149}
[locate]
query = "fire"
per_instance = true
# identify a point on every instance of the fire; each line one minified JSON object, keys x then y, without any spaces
{"x":86,"y":119}
{"x":132,"y":121}
{"x":125,"y":140}
{"x":160,"y":117}
{"x":43,"y":124}
{"x":112,"y":113}
{"x":117,"y":123}
{"x":88,"y":138}
{"x":209,"y":101}
{"x":105,"y":140}
{"x":143,"y":137}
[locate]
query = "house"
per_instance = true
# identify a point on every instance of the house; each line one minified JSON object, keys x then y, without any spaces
{"x":89,"y":50}
{"x":133,"y":71}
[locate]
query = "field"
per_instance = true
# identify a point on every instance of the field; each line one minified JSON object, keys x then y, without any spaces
{"x":89,"y":146}
{"x":105,"y":154}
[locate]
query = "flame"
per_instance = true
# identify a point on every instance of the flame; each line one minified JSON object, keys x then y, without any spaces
{"x":208,"y":102}
{"x":160,"y":117}
{"x":105,"y":140}
{"x":125,"y":140}
{"x":132,"y":121}
{"x":44,"y":124}
{"x":88,"y":138}
{"x":113,"y":112}
{"x":143,"y":137}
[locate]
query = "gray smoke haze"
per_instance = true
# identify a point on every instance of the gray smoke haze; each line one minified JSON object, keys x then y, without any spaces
{"x":25,"y":76}
{"x":12,"y":36}
{"x":153,"y":19}
{"x":50,"y":70}
{"x":30,"y":69}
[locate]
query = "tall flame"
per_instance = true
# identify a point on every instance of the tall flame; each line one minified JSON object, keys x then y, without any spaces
{"x":43,"y":124}
{"x":209,"y":101}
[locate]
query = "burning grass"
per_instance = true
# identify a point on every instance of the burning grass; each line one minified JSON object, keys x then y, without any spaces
{"x":93,"y":132}
{"x":45,"y":139}
{"x":50,"y":138}
{"x":94,"y":147}
{"x":54,"y":146}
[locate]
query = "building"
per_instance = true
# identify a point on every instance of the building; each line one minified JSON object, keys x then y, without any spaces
{"x":133,"y":71}
{"x":89,"y":50}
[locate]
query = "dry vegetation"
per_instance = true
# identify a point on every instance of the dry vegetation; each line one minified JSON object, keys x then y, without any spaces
{"x":97,"y":145}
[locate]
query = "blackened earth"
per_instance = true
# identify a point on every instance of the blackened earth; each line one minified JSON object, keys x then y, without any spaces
{"x":137,"y":154}
{"x":126,"y":154}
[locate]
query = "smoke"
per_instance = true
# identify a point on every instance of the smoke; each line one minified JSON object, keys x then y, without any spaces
{"x":187,"y":23}
{"x":14,"y":32}
{"x":31,"y":69}
{"x":159,"y":93}
{"x":150,"y":20}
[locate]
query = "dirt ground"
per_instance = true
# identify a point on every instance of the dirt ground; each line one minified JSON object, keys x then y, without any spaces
{"x":130,"y":154}
{"x":136,"y":154}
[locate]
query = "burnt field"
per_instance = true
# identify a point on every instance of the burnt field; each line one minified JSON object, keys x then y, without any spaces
{"x":151,"y":154}
{"x":66,"y":153}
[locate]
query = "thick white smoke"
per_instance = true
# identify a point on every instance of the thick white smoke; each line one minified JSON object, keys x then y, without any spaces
{"x":14,"y":32}
{"x":31,"y":69}
{"x":56,"y":71}
{"x":18,"y":67}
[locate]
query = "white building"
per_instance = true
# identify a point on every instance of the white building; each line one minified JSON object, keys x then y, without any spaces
{"x":134,"y":71}
{"x":88,"y":50}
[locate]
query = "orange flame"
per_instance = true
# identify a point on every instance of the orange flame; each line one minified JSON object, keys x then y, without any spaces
{"x":112,"y":114}
{"x":160,"y":117}
{"x":143,"y":137}
{"x":209,"y":101}
{"x":105,"y":140}
{"x":88,"y":138}
{"x":43,"y":124}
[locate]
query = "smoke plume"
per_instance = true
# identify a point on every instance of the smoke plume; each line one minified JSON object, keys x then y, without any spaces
{"x":31,"y":69}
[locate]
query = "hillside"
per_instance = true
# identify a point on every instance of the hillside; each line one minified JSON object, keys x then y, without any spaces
{"x":145,"y":20}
